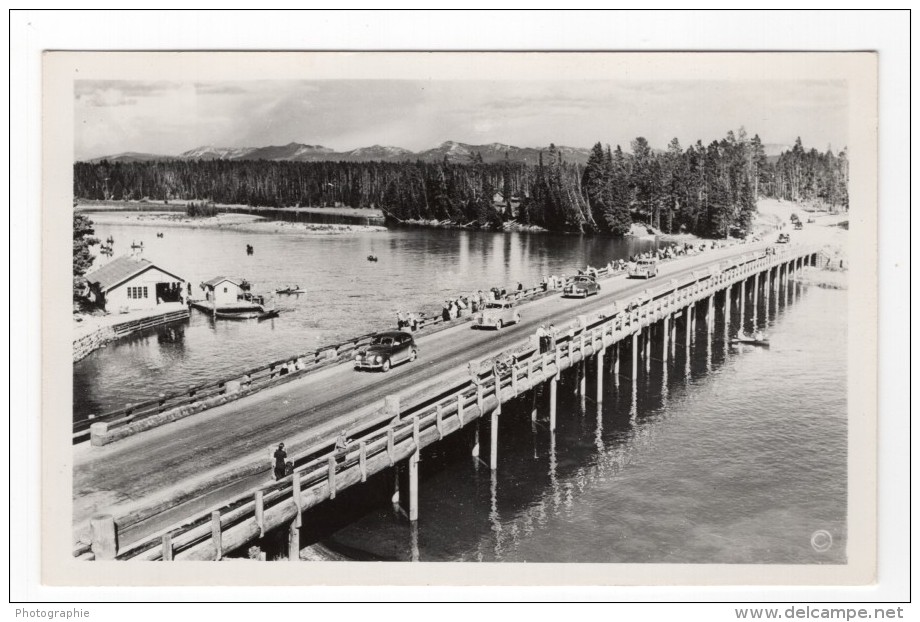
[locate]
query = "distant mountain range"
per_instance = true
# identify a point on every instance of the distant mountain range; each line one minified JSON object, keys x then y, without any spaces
{"x":296,"y":152}
{"x":454,"y":152}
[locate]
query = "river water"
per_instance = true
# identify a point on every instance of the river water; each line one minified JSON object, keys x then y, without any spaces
{"x":346,"y":295}
{"x":740,"y":458}
{"x":717,"y":456}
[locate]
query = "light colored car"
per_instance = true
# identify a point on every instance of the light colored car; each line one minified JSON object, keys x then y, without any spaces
{"x":644,"y":268}
{"x":495,"y":315}
{"x":581,"y":286}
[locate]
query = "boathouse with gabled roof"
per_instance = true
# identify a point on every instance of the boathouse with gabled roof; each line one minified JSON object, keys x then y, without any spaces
{"x":225,"y":290}
{"x":131,"y":283}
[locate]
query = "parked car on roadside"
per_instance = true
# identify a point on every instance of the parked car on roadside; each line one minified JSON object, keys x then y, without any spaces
{"x":644,"y":268}
{"x":496,"y":314}
{"x":783,"y":238}
{"x":581,"y":286}
{"x":386,"y":350}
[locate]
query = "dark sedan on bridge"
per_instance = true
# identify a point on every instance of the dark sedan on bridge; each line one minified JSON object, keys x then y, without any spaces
{"x":581,"y":286}
{"x":386,"y":350}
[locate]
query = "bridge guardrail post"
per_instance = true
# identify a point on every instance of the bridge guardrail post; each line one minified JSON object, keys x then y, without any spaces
{"x":391,"y":406}
{"x":167,"y":547}
{"x":103,"y":536}
{"x":460,"y":408}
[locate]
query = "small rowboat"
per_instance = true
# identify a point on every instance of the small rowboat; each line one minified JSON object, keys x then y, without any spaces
{"x":744,"y":340}
{"x":287,"y":291}
{"x":372,"y":257}
{"x":246,"y":315}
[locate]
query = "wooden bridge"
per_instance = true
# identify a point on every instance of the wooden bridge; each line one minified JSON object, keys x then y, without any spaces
{"x":387,"y":434}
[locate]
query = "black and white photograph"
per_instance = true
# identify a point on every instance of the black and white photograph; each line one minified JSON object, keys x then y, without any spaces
{"x":461,"y":320}
{"x":561,"y":317}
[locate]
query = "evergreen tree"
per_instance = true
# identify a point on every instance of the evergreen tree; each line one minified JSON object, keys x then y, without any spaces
{"x":82,"y":256}
{"x":621,"y":193}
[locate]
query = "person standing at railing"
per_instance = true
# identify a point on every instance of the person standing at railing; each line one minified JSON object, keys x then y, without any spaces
{"x":280,"y":461}
{"x":543,"y":339}
{"x":551,"y":335}
{"x":341,"y":447}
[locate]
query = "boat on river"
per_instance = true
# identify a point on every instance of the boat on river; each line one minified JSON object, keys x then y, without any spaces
{"x":264,"y":314}
{"x":748,"y":340}
{"x":290,"y":291}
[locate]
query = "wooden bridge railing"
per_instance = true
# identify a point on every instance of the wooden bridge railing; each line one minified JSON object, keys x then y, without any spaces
{"x":320,"y":472}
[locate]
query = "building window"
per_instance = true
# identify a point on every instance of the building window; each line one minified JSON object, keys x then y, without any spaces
{"x":137,"y":293}
{"x":225,"y":290}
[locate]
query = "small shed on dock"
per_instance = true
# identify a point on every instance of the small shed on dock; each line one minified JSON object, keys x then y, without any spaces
{"x":130,"y":283}
{"x":224,"y":290}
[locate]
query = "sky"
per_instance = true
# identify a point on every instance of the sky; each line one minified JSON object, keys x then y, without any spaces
{"x":167,"y":118}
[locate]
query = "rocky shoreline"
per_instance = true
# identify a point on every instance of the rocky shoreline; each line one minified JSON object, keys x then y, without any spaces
{"x":239,"y":222}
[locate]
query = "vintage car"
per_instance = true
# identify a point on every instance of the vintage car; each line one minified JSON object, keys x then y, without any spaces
{"x":581,"y":286}
{"x":645,"y":268}
{"x":385,"y":350}
{"x":783,"y":238}
{"x":495,"y":315}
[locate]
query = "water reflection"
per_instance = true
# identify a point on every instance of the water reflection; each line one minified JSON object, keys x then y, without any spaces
{"x":346,"y":295}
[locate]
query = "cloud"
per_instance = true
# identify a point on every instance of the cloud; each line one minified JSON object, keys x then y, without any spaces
{"x":171,"y":117}
{"x":113,"y":93}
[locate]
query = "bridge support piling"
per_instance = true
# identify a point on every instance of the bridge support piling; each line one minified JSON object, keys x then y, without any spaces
{"x":493,"y":444}
{"x":688,"y":327}
{"x":104,"y":542}
{"x":788,"y":284}
{"x":635,"y":355}
{"x":413,"y":485}
{"x":766,"y":294}
{"x":673,"y":337}
{"x":741,"y":300}
{"x":600,"y":376}
{"x":646,"y":349}
{"x":395,"y":497}
{"x":552,"y":402}
{"x":727,"y":307}
{"x":294,"y":540}
{"x":691,"y":320}
{"x":413,"y":541}
{"x":582,"y":377}
{"x":710,"y":314}
{"x":754,"y":297}
{"x":617,"y":347}
{"x":665,"y":335}
{"x":475,"y":450}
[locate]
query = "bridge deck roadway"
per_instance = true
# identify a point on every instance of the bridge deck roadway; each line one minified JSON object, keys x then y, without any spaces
{"x":156,"y":465}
